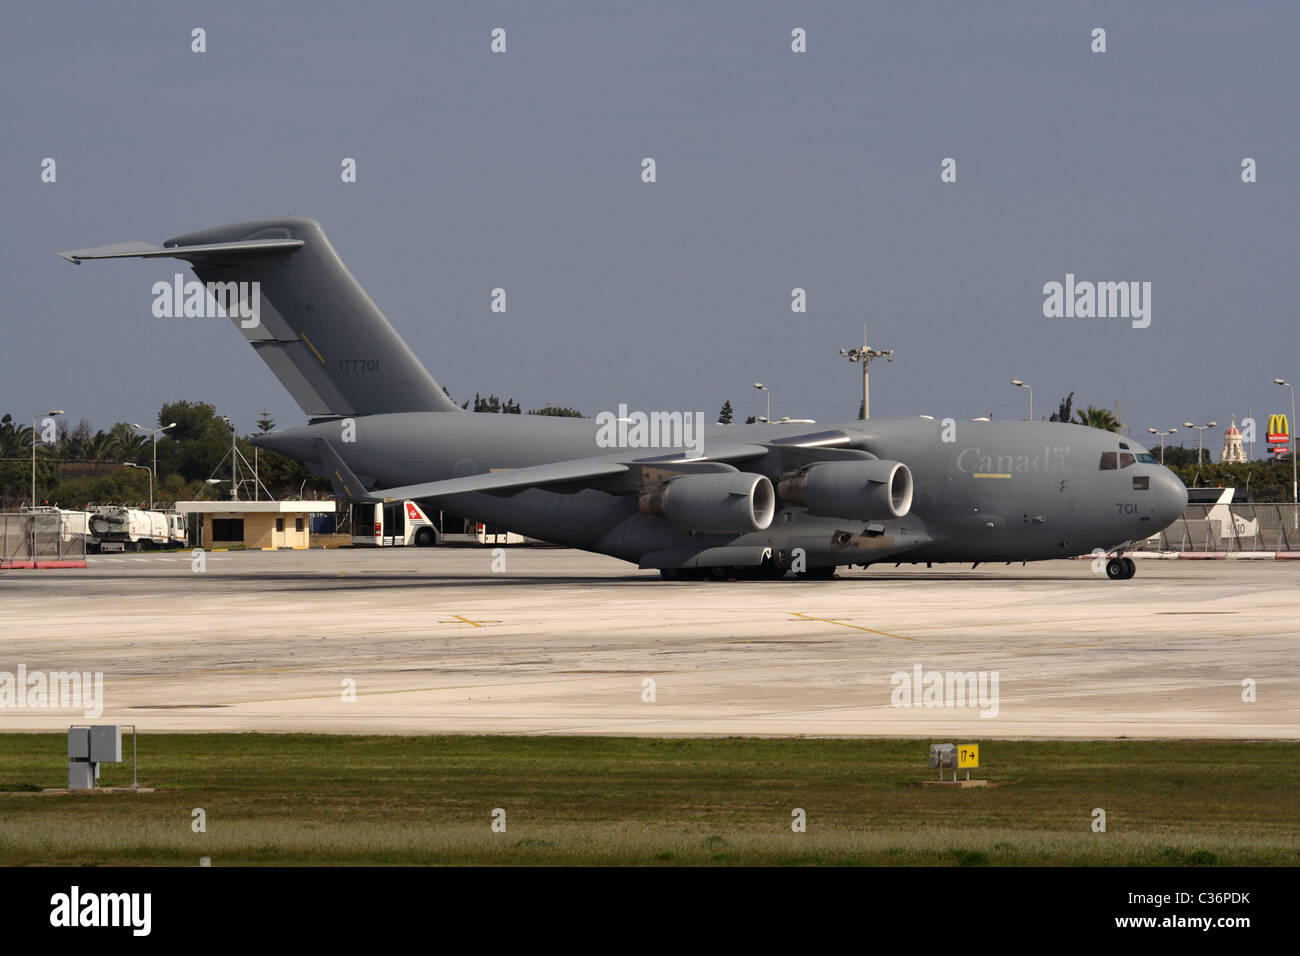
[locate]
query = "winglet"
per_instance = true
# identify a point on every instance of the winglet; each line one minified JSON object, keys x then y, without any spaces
{"x":346,"y":485}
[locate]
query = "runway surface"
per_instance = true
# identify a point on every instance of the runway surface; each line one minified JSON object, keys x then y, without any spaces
{"x":561,"y":642}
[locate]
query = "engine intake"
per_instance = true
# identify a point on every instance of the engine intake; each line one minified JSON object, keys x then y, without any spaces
{"x":866,"y":490}
{"x":730,"y":503}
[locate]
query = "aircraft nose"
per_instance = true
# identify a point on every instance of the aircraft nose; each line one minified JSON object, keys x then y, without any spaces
{"x":1170,"y":495}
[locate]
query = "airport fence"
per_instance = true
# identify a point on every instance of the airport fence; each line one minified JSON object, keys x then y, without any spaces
{"x":1229,"y":527}
{"x":39,"y":536}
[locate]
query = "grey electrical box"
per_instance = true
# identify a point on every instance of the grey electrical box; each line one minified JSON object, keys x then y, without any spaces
{"x":79,"y":743}
{"x":942,"y":755}
{"x":88,"y":747}
{"x":105,"y":743}
{"x":81,"y":775}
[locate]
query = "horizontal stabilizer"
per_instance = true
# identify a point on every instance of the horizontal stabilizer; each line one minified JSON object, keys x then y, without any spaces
{"x":146,"y":250}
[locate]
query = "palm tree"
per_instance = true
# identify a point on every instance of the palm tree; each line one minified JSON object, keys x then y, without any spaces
{"x":1062,"y":414}
{"x":125,"y":443}
{"x":1098,"y":418}
{"x":15,"y":438}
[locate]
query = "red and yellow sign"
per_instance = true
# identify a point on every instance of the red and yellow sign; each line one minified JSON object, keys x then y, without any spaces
{"x":1279,"y":430}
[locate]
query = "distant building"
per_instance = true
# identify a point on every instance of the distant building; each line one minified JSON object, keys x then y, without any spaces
{"x":252,"y":524}
{"x":1232,"y":450}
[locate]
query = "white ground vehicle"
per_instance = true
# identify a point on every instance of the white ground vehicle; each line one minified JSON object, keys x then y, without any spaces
{"x":74,"y":526}
{"x":396,"y":523}
{"x":490,"y":534}
{"x":130,"y":529}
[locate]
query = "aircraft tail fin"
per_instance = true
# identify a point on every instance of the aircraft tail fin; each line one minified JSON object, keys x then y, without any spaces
{"x":307,"y":317}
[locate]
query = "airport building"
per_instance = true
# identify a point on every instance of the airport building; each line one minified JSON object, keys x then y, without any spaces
{"x":252,"y":524}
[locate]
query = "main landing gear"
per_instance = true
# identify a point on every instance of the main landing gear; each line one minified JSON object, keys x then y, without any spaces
{"x":1120,"y":569}
{"x":769,"y":570}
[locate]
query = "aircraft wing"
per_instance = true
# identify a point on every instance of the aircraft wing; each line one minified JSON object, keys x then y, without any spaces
{"x":635,"y":472}
{"x":348,"y":486}
{"x":513,"y":479}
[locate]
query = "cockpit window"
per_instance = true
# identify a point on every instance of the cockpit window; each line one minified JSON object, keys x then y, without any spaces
{"x":1126,"y":458}
{"x":1108,"y":461}
{"x":1146,"y":459}
{"x":1124,"y":446}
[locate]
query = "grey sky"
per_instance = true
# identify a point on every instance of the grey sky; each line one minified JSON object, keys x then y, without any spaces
{"x":775,"y":170}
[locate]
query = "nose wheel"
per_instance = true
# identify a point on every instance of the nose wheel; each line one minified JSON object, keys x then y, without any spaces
{"x":1120,"y":569}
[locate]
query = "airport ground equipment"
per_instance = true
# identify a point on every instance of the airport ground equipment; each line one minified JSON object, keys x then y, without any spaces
{"x":90,"y":745}
{"x":131,"y":529}
{"x":955,"y":757}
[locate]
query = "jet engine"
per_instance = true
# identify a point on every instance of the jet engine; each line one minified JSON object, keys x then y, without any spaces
{"x":718,"y":503}
{"x":864,"y":490}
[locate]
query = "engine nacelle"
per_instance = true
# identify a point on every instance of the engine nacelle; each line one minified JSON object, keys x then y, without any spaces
{"x":864,"y":490}
{"x":717,"y":503}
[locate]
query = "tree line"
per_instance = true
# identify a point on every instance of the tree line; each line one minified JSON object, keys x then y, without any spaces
{"x":84,"y":467}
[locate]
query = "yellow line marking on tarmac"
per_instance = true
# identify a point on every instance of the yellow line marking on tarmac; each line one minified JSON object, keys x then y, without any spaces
{"x":468,"y":621}
{"x":859,"y":627}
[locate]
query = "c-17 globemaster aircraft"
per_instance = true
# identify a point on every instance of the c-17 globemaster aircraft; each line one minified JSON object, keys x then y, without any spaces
{"x":750,"y":501}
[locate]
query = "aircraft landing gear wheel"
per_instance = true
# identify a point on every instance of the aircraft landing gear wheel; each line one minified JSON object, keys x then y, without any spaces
{"x":669,"y":574}
{"x":1120,"y":569}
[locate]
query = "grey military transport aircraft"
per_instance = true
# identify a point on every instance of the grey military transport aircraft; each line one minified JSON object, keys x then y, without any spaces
{"x":751,"y":501}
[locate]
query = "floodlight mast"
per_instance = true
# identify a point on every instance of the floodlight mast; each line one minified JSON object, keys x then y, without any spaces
{"x":1199,"y":431}
{"x":156,"y":432}
{"x":1162,"y":440}
{"x":768,"y":392}
{"x":1295,"y":488}
{"x":866,"y":355}
{"x":1019,"y":384}
{"x":35,"y":420}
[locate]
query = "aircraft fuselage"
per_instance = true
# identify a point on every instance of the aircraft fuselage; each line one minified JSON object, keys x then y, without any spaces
{"x":983,"y":490}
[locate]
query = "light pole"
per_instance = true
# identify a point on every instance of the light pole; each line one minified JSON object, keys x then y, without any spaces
{"x":1199,"y":430}
{"x":1162,"y":440}
{"x":155,"y":448}
{"x":1020,"y":384}
{"x":35,"y":421}
{"x":768,"y":416}
{"x":131,"y":464}
{"x":866,"y":356}
{"x":1295,"y":499}
{"x":234,"y":459}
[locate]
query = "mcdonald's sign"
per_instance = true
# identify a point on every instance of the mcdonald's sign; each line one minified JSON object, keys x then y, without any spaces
{"x":1279,"y":430}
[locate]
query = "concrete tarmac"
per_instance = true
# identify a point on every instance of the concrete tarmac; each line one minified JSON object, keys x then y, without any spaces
{"x":562,"y":642}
